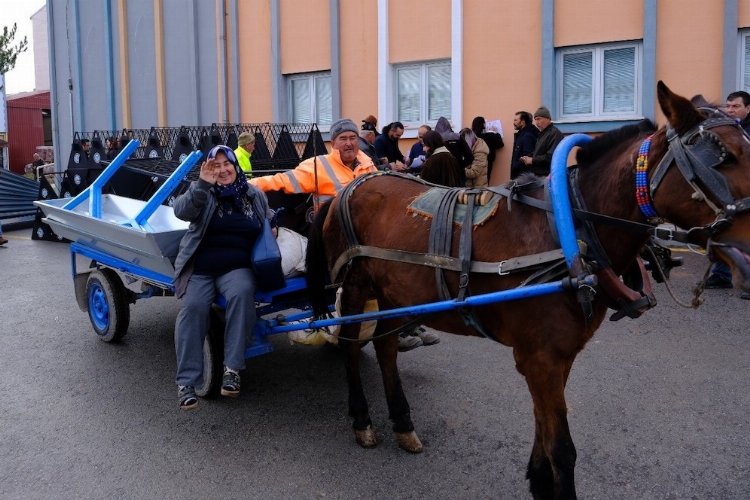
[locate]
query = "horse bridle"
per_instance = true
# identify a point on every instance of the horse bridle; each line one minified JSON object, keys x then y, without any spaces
{"x":697,"y":154}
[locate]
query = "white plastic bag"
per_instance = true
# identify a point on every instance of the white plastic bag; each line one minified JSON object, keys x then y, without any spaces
{"x":293,"y":248}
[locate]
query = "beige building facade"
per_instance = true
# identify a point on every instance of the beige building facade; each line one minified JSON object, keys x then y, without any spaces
{"x":593,"y":63}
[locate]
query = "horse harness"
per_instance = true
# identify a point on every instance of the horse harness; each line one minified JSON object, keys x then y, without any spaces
{"x":439,"y":246}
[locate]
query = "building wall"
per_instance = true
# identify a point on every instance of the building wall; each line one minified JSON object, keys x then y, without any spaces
{"x":305,"y":42}
{"x":255,"y":56}
{"x":196,"y":62}
{"x":419,"y":30}
{"x":113,"y":89}
{"x":690,"y":64}
{"x":743,"y":14}
{"x":41,"y":49}
{"x":502,"y":71}
{"x":580,"y":22}
{"x":359,"y":73}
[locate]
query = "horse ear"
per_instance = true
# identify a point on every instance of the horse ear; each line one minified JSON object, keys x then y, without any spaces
{"x":700,"y":102}
{"x":680,"y":112}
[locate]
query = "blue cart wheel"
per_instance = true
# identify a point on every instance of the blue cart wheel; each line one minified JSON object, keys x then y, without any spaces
{"x":106,"y":301}
{"x":213,"y":358}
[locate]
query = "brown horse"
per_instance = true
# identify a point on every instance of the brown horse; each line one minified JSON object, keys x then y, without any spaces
{"x":709,"y":193}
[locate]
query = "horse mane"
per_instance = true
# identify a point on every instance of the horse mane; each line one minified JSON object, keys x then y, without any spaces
{"x":605,"y":142}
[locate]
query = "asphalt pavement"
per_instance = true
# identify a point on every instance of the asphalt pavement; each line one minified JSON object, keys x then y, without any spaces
{"x":659,"y":407}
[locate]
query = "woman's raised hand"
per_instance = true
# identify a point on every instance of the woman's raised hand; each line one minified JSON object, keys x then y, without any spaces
{"x":209,"y":171}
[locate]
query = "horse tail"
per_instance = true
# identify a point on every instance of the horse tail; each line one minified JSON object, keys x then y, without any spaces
{"x":317,"y":264}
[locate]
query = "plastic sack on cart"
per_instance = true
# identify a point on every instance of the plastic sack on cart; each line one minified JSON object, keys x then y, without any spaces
{"x":293,"y":247}
{"x":331,"y":334}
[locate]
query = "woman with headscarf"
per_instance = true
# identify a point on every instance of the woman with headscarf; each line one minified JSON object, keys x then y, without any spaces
{"x":440,"y":166}
{"x":225,"y":215}
{"x":477,"y":173}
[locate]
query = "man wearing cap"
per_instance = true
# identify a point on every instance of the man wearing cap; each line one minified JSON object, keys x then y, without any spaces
{"x":324,"y":175}
{"x":549,"y":137}
{"x":245,"y":147}
{"x":335,"y":170}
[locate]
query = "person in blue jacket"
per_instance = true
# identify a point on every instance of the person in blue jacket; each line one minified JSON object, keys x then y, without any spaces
{"x":226,"y":215}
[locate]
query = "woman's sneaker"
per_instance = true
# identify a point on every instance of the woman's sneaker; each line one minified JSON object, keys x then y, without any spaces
{"x":186,"y":397}
{"x":230,"y":383}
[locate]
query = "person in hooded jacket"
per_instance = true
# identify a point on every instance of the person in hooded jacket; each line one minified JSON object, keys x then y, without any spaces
{"x":440,"y":166}
{"x":458,"y":148}
{"x":215,"y":254}
{"x":477,"y":174}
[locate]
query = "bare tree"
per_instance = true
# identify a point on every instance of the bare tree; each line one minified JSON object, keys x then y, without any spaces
{"x":8,"y":51}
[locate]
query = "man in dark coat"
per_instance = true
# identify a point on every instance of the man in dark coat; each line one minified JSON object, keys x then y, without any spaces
{"x":738,"y":107}
{"x":549,"y":137}
{"x":524,"y":141}
{"x":386,"y":146}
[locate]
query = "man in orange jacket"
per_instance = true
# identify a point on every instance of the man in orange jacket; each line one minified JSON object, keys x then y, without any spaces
{"x":334,"y":170}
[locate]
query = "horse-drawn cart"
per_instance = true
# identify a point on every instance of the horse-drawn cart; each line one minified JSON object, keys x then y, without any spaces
{"x":123,"y":250}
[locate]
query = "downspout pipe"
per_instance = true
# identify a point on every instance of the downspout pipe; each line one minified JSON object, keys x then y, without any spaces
{"x":109,"y":62}
{"x":222,"y":11}
{"x":53,"y":87}
{"x":235,"y":62}
{"x":77,"y":84}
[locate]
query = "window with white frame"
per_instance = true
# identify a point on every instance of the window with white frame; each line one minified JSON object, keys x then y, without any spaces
{"x":744,"y":54}
{"x":310,"y":99}
{"x":423,"y":92}
{"x":597,"y":82}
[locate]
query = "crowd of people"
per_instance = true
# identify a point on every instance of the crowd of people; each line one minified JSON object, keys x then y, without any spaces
{"x":472,"y":150}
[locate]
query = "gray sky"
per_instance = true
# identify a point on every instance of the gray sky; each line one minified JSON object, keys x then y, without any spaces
{"x":21,"y":78}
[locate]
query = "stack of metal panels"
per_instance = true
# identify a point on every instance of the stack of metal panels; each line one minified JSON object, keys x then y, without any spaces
{"x":17,"y":195}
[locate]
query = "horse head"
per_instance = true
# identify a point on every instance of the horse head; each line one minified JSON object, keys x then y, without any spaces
{"x":709,"y":190}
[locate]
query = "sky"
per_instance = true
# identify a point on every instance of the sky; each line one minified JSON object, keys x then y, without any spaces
{"x":20,"y":78}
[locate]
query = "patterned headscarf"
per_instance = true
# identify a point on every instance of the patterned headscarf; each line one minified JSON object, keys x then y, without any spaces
{"x":234,"y":194}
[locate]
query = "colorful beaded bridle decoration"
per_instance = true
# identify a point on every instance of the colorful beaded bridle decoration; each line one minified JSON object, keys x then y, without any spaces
{"x":642,"y":195}
{"x":696,"y":153}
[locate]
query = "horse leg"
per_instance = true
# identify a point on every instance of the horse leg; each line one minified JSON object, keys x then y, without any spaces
{"x":552,"y":463}
{"x":364,"y":433}
{"x":386,"y":348}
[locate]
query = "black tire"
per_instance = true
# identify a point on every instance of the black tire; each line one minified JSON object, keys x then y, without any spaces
{"x":213,"y":359}
{"x":107,"y":305}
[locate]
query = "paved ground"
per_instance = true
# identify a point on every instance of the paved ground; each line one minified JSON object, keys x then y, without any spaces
{"x":658,"y":408}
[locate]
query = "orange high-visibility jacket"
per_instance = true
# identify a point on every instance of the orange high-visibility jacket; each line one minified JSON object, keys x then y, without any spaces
{"x":333,"y":175}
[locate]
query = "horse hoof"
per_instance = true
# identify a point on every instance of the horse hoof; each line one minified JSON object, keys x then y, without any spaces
{"x":409,"y":441}
{"x":366,"y":438}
